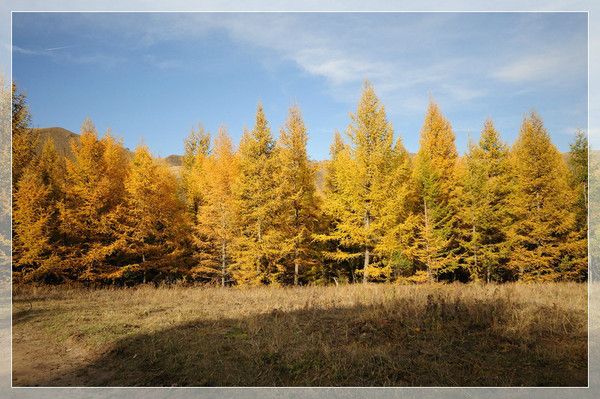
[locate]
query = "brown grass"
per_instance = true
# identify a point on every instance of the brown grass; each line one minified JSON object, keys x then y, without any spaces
{"x":375,"y":335}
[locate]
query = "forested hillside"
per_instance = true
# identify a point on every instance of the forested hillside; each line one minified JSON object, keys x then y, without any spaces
{"x":263,"y":213}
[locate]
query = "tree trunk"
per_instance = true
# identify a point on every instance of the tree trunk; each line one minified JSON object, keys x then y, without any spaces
{"x":144,"y":261}
{"x":475,"y":252}
{"x":365,"y":266}
{"x":367,"y":253}
{"x":296,"y":266}
{"x":223,"y":263}
{"x":259,"y":240}
{"x":427,"y":250}
{"x":296,"y":245}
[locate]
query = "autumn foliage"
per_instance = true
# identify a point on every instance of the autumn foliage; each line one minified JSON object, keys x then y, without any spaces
{"x":265,"y":214}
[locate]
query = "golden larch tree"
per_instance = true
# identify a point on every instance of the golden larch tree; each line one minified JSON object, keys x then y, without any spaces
{"x":298,"y":215}
{"x":543,"y":231}
{"x":339,"y":257}
{"x":436,"y":184}
{"x":363,"y":186}
{"x":153,"y":221}
{"x":36,"y":218}
{"x":24,"y":140}
{"x":216,"y":226}
{"x":94,"y":188}
{"x":196,"y":150}
{"x":398,"y":219}
{"x":257,"y":244}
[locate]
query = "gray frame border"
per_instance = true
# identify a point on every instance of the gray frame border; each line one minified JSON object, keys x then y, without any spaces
{"x":593,"y":9}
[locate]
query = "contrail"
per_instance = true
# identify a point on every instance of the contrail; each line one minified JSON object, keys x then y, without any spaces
{"x":57,"y":48}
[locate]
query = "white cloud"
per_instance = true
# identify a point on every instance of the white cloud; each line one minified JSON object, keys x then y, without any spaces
{"x":554,"y":64}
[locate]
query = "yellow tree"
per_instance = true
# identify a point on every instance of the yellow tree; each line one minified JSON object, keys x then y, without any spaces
{"x":24,"y":141}
{"x":216,"y":222}
{"x":543,"y":233}
{"x":297,"y":199}
{"x":363,"y":186}
{"x":196,"y":150}
{"x":154,"y":221}
{"x":436,"y":185}
{"x":398,"y":219}
{"x":35,"y":216}
{"x":339,"y":257}
{"x":485,"y":209}
{"x":94,"y":188}
{"x":257,"y":242}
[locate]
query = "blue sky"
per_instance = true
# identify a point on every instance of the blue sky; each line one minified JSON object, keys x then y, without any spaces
{"x":152,"y":76}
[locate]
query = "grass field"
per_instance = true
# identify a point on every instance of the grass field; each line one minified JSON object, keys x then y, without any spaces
{"x":374,"y":335}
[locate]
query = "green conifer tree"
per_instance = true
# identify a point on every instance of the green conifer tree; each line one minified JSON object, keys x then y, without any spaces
{"x":485,"y":209}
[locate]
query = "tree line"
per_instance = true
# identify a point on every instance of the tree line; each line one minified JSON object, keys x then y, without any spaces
{"x":255,"y":215}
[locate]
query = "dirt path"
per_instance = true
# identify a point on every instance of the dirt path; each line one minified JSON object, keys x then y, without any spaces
{"x":57,"y":363}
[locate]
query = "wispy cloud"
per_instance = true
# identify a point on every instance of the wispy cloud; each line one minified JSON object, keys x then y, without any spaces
{"x":58,"y":48}
{"x":26,"y":51}
{"x":163,"y":63}
{"x":535,"y":67}
{"x":411,"y":55}
{"x":99,"y":59}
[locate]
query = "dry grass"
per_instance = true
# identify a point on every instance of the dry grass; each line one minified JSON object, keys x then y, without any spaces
{"x":375,"y":335}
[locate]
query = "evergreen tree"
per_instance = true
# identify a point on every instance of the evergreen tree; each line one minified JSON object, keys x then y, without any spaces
{"x":437,"y":190}
{"x":297,"y":199}
{"x":216,"y":223}
{"x":542,"y":234}
{"x":485,"y":209}
{"x":257,"y":249}
{"x":578,"y":163}
{"x":577,"y":263}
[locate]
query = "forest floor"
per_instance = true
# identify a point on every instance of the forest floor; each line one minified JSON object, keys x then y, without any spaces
{"x":354,"y":335}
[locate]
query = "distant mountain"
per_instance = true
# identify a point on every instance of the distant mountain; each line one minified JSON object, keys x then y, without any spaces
{"x":62,"y":142}
{"x":61,"y":137}
{"x":174,"y":160}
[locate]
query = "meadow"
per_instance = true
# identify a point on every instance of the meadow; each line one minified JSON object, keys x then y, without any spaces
{"x":349,"y":335}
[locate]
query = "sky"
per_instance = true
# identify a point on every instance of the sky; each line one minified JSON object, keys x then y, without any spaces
{"x":152,"y":77}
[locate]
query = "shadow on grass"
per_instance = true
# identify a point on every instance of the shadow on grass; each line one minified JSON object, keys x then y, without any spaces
{"x":26,"y":315}
{"x":399,"y":344}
